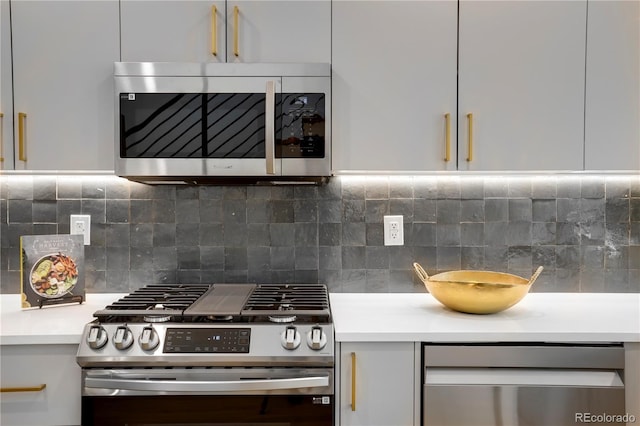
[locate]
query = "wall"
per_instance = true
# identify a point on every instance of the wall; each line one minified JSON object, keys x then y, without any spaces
{"x":585,"y":230}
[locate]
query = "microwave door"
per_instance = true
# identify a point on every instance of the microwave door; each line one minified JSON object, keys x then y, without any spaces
{"x":197,"y":126}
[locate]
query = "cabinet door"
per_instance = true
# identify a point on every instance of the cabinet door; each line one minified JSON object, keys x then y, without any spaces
{"x":63,"y":54}
{"x":6,"y":102}
{"x":612,"y":113}
{"x":173,"y":31}
{"x":385,"y":379}
{"x":260,"y":31}
{"x":394,"y":79}
{"x":279,"y":31}
{"x":31,"y":366}
{"x":521,"y":76}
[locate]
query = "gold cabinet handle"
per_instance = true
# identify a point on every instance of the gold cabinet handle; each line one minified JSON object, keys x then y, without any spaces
{"x":353,"y":381}
{"x":214,"y":31}
{"x":1,"y":138}
{"x":236,"y":13}
{"x":38,"y":388}
{"x":470,"y":137}
{"x":447,"y":137}
{"x":22,"y":153}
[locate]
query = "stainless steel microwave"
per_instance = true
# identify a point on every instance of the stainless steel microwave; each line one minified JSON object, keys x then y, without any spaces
{"x":207,"y":122}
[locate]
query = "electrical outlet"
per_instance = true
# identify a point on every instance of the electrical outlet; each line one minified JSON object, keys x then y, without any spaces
{"x":393,"y":231}
{"x":81,"y":224}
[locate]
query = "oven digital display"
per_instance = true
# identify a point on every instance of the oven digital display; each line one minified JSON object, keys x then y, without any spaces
{"x":207,"y":340}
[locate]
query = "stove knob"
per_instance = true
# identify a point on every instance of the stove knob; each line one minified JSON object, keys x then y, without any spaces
{"x":290,"y":338}
{"x":97,"y":337}
{"x":149,"y":339}
{"x":316,"y":338}
{"x":123,"y":338}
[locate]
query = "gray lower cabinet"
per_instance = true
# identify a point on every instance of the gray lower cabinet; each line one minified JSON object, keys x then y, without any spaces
{"x":377,"y":384}
{"x":63,"y":102}
{"x":40,"y":385}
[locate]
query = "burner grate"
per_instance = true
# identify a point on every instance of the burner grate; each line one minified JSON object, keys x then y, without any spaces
{"x":301,"y":299}
{"x":155,"y":299}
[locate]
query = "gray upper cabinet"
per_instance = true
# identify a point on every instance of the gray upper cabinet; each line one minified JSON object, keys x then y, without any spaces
{"x":231,"y":31}
{"x":612,"y":110}
{"x":6,"y":101}
{"x":394,"y":82}
{"x":520,"y":85}
{"x":63,"y":54}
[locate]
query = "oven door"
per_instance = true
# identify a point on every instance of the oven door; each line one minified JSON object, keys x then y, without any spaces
{"x":208,"y":396}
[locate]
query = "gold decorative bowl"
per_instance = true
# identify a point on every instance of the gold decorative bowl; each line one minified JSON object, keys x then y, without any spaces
{"x":477,"y":292}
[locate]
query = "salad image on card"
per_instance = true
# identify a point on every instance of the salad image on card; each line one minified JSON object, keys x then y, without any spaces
{"x":52,"y":269}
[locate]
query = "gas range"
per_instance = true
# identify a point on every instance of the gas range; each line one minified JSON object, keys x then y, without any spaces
{"x":212,"y":325}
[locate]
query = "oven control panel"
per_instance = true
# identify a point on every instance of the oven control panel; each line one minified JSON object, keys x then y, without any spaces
{"x":207,"y":340}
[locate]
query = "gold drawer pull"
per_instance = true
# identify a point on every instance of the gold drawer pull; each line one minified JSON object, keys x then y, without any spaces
{"x":25,"y":389}
{"x":353,"y":381}
{"x":22,"y":154}
{"x":470,"y":140}
{"x":236,"y":48}
{"x":447,"y":137}
{"x":214,"y":31}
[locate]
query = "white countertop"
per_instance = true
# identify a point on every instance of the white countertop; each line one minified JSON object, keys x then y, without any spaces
{"x":390,"y":317}
{"x":59,"y":324}
{"x":539,"y":317}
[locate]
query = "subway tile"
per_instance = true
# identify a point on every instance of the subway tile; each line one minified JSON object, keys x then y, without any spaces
{"x":44,"y":211}
{"x":235,"y":234}
{"x":520,"y":210}
{"x":617,"y":210}
{"x":305,"y":210}
{"x":306,"y":235}
{"x":496,"y":210}
{"x":258,"y":234}
{"x":187,"y":210}
{"x":44,"y":188}
{"x":375,"y":210}
{"x":305,"y":192}
{"x":117,"y":211}
{"x":282,"y":234}
{"x":424,"y":210}
{"x":354,"y":234}
{"x":448,"y":212}
{"x":472,"y":211}
{"x":329,"y":211}
{"x":188,"y":258}
{"x":187,"y":234}
{"x":375,"y":234}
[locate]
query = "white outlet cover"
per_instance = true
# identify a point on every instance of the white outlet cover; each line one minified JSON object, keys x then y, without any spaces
{"x":81,"y":224}
{"x":392,"y":238}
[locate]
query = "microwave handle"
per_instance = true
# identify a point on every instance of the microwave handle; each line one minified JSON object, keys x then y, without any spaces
{"x":270,"y":118}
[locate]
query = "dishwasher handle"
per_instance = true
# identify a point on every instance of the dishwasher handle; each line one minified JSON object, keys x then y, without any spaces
{"x":523,"y":377}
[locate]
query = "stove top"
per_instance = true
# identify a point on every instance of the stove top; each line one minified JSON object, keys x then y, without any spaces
{"x":195,"y":303}
{"x":211,"y":325}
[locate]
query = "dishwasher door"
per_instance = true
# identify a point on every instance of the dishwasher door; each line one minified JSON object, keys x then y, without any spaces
{"x":531,"y":386}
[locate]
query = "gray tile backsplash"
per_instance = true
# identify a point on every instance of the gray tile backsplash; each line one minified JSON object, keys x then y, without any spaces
{"x":585,"y":230}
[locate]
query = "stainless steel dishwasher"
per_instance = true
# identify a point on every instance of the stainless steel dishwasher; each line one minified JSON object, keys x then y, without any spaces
{"x":523,"y":384}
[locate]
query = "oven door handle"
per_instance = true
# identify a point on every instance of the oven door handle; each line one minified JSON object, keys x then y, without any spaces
{"x":206,"y":386}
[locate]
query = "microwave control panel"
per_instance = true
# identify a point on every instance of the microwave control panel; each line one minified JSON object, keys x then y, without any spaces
{"x":300,"y":125}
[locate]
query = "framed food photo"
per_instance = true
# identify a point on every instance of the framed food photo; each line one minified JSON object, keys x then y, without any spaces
{"x":52,"y":270}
